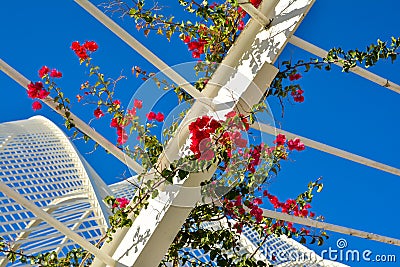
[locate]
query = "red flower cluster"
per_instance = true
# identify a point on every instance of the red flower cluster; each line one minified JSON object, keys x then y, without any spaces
{"x":36,"y":90}
{"x":236,"y":207}
{"x":290,"y":206}
{"x":53,"y":73}
{"x":43,"y":71}
{"x":255,"y":155}
{"x":121,"y":123}
{"x":138,"y":103}
{"x":295,"y":76}
{"x":36,"y":105}
{"x":256,"y":3}
{"x":120,"y":202}
{"x":153,"y":116}
{"x":201,"y":131}
{"x":197,"y":47}
{"x":280,"y":140}
{"x":298,"y":95}
{"x":292,"y":143}
{"x":98,"y":113}
{"x":81,"y":50}
{"x":241,"y":25}
{"x":296,"y":144}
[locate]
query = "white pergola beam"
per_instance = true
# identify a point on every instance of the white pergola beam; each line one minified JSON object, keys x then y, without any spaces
{"x":315,"y":50}
{"x":328,"y":149}
{"x":330,"y":227}
{"x":137,"y":46}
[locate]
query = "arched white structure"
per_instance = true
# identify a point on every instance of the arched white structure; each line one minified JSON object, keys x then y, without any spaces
{"x":38,"y":161}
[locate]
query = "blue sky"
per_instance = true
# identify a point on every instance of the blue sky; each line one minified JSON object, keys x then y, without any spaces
{"x":340,"y":109}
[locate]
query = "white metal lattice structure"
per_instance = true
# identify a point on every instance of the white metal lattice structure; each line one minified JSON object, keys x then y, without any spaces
{"x":38,"y":161}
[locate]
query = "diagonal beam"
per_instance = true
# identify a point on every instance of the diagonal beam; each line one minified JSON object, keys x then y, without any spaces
{"x":329,"y":149}
{"x":81,"y":125}
{"x":140,"y":48}
{"x":330,"y":227}
{"x":313,"y":49}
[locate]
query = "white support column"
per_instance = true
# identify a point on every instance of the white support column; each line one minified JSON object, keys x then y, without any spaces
{"x":147,"y":241}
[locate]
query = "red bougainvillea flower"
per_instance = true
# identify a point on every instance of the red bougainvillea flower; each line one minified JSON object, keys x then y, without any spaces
{"x":257,"y":201}
{"x":159,"y":117}
{"x":295,"y":77}
{"x":79,"y":50}
{"x":43,"y":71}
{"x":201,"y":130}
{"x":138,"y":104}
{"x":195,"y":54}
{"x":91,"y":46}
{"x":298,"y":95}
{"x":197,"y":47}
{"x":255,"y":3}
{"x":132,"y":112}
{"x":186,"y":39}
{"x":151,"y":116}
{"x":36,"y":105}
{"x":98,"y":113}
{"x":122,"y":135}
{"x":117,"y":102}
{"x":114,"y":123}
{"x":280,"y":140}
{"x":241,"y":25}
{"x":120,"y":202}
{"x":296,"y":144}
{"x":55,"y":74}
{"x":75,"y":45}
{"x":43,"y":94}
{"x":36,"y":90}
{"x":213,"y":5}
{"x":123,"y":202}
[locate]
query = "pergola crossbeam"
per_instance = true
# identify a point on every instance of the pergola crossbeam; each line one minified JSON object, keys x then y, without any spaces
{"x":315,"y":50}
{"x":330,"y":227}
{"x":328,"y":149}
